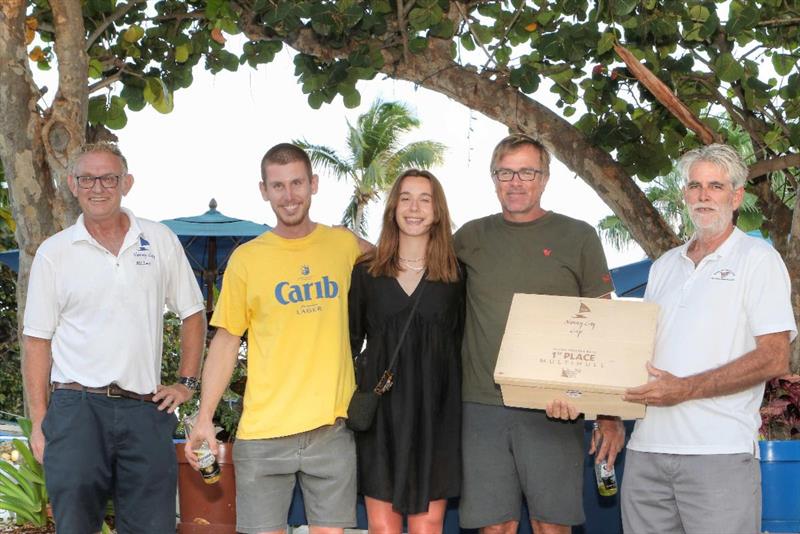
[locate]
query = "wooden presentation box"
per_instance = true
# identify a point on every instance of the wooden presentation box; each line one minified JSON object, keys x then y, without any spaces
{"x":584,"y":351}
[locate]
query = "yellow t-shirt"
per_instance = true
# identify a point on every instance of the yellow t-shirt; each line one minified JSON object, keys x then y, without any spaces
{"x":291,"y":297}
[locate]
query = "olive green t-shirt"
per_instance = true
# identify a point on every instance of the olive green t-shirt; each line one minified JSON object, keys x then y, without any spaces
{"x":553,"y":255}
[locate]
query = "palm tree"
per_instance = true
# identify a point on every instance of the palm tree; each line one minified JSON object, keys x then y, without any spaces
{"x":375,"y":156}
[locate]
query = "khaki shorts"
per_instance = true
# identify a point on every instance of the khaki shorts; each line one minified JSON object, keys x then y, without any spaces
{"x":701,"y":493}
{"x":323,"y":460}
{"x":508,"y":452}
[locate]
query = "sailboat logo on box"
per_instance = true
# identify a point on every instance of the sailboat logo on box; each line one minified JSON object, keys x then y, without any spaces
{"x":581,"y":310}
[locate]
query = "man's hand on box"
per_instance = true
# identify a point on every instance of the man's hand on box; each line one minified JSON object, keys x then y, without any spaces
{"x":610,"y":435}
{"x":559,"y":409}
{"x":665,"y":389}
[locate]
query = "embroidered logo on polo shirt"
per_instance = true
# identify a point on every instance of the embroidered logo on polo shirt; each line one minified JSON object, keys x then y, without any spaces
{"x":724,"y":274}
{"x":143,"y":254}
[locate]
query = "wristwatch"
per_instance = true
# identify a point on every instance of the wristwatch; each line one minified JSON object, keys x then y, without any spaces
{"x":190,"y":382}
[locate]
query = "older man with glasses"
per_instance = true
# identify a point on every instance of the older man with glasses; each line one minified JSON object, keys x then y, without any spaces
{"x":93,"y":335}
{"x":508,"y":452}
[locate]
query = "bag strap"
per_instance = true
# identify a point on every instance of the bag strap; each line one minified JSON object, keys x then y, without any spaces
{"x":387,"y":379}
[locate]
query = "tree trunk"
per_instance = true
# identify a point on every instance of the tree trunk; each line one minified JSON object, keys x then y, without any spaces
{"x":35,"y":146}
{"x":792,"y":259}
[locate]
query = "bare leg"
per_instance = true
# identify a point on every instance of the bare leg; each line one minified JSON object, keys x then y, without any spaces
{"x":382,"y":518}
{"x":429,"y":522}
{"x":509,"y":527}
{"x":540,"y":527}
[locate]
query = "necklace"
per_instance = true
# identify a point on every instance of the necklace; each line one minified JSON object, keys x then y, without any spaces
{"x":407,"y":264}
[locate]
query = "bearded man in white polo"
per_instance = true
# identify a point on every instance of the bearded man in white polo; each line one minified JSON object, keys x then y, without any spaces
{"x":724,"y":329}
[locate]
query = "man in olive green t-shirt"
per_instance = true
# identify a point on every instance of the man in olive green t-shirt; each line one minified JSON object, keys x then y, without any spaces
{"x":510,"y":451}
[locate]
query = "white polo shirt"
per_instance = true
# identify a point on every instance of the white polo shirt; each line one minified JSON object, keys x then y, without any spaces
{"x":104,"y":313}
{"x":710,"y":315}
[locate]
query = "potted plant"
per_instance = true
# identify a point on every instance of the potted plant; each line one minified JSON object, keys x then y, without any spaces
{"x":780,"y":455}
{"x":22,"y":487}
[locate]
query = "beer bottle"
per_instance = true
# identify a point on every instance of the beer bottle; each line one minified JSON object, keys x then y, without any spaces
{"x":209,"y":467}
{"x":603,"y":472}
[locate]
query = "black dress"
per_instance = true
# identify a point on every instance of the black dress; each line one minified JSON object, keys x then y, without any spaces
{"x":412,"y":453}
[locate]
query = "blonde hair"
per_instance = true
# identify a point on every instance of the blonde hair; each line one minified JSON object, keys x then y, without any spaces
{"x":515,"y":141}
{"x":100,"y":146}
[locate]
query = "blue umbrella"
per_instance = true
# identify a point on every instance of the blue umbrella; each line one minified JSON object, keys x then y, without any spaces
{"x":209,"y":240}
{"x":10,"y":258}
{"x":631,"y":280}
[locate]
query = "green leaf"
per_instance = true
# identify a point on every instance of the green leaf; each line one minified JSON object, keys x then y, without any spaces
{"x":95,"y":69}
{"x":315,"y":99}
{"x":483,"y":34}
{"x":116,"y":119}
{"x":181,"y":53}
{"x":605,"y":43}
{"x":783,"y":63}
{"x":699,"y":13}
{"x":727,"y":68}
{"x":740,"y":18}
{"x":134,"y":97}
{"x":623,"y":7}
{"x":157,"y":95}
{"x":569,"y":111}
{"x":213,"y":7}
{"x":467,"y":42}
{"x":97,"y":110}
{"x":133,"y":34}
{"x":381,"y":6}
{"x":417,"y":45}
{"x":351,"y":99}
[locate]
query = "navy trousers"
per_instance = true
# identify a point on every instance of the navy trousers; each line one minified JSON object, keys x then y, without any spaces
{"x":99,"y":449}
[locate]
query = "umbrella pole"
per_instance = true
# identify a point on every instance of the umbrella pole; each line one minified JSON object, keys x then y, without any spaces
{"x":211,"y":276}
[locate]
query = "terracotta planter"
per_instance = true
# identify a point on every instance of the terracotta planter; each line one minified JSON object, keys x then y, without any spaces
{"x":207,"y":508}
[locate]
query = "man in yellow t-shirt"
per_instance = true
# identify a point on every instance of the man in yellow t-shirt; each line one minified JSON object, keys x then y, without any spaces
{"x":288,"y":290}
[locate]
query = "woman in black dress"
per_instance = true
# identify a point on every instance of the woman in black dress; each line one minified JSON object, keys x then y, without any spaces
{"x":409,"y":461}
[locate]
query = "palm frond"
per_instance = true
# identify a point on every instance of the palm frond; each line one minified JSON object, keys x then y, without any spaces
{"x":326,"y":158}
{"x":614,"y":232}
{"x":419,"y":154}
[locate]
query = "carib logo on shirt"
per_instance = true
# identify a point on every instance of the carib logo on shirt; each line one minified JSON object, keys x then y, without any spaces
{"x":307,"y":291}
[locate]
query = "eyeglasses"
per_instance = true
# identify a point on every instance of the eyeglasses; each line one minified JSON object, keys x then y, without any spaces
{"x":108,"y":181}
{"x":526,"y":175}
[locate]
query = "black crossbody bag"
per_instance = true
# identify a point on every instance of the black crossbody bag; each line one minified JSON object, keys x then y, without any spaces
{"x":364,"y":404}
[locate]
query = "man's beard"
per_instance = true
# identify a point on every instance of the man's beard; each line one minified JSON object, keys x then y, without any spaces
{"x":711,"y":224}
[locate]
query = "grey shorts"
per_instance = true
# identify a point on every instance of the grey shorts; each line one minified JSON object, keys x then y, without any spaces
{"x":323,"y":460}
{"x":508,"y":452}
{"x":695,"y":494}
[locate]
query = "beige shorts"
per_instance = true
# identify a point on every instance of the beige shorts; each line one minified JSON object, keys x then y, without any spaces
{"x":322,"y":460}
{"x":691,"y":493}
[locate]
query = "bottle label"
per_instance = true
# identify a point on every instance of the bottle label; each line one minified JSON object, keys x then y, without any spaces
{"x":204,"y":456}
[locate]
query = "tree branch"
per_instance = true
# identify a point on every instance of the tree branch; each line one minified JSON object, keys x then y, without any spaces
{"x":505,"y":35}
{"x":779,"y":22}
{"x":767,"y":166}
{"x":666,"y":96}
{"x":105,"y":82}
{"x":471,"y":31}
{"x":118,"y":13}
{"x":434,"y":69}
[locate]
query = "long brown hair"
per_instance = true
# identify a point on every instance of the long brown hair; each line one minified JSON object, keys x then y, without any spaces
{"x":442,"y":265}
